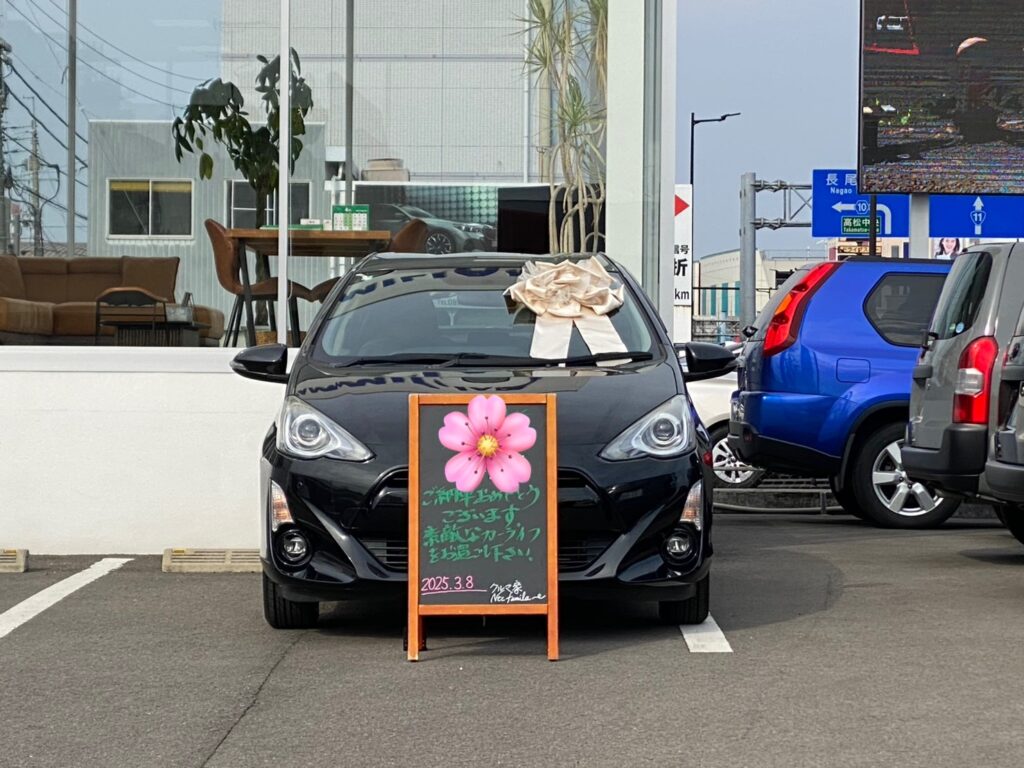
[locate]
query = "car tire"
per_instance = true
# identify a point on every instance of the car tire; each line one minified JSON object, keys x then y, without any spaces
{"x":884,"y":493}
{"x":729,"y":470}
{"x":846,"y":498}
{"x":692,"y":611}
{"x":287,"y":614}
{"x":1012,"y":517}
{"x":438,"y":243}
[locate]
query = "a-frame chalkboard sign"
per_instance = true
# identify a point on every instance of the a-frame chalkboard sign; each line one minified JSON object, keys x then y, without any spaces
{"x":483,"y":509}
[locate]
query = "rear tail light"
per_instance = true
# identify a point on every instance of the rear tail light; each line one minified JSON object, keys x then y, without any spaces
{"x":784,"y":327}
{"x":974,"y":381}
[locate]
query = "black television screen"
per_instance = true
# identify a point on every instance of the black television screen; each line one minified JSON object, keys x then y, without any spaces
{"x":942,"y":96}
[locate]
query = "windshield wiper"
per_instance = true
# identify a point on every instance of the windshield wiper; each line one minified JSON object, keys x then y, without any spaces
{"x":600,"y":357}
{"x":442,"y":360}
{"x":437,"y":359}
{"x":412,"y":357}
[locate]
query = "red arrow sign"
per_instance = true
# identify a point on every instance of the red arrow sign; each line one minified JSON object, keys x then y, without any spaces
{"x":681,"y":205}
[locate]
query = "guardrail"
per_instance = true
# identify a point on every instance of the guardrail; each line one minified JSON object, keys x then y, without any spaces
{"x":780,"y":493}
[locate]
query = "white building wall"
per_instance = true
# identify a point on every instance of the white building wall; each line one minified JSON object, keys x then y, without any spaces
{"x":129,"y":451}
{"x":438,"y":83}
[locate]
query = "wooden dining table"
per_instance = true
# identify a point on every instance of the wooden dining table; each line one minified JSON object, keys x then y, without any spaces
{"x":304,"y":243}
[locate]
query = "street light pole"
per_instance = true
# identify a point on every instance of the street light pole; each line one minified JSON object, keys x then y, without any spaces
{"x":694,"y":122}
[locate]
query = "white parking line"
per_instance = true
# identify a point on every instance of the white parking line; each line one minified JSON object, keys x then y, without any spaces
{"x":31,"y":607}
{"x":705,"y":638}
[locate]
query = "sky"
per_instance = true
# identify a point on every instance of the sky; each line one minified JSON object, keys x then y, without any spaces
{"x":35,"y":29}
{"x":791,"y":68}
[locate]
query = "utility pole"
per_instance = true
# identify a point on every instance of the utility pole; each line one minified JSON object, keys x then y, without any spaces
{"x":5,"y":204}
{"x":72,"y":105}
{"x":37,"y":204}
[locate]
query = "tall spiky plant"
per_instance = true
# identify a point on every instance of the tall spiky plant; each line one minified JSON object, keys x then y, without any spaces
{"x":567,"y":52}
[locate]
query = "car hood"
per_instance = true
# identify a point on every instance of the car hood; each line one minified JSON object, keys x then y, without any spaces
{"x":594,"y":405}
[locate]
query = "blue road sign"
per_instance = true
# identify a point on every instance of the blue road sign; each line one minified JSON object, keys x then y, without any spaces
{"x":840,"y":211}
{"x":976,"y":216}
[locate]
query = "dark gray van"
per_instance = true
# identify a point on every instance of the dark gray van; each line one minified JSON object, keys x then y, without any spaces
{"x":952,"y":400}
{"x":1004,"y":471}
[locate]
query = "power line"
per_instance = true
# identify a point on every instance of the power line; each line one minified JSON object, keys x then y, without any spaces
{"x":35,"y":93}
{"x":105,"y":56}
{"x":45,"y":84}
{"x":25,"y":148}
{"x":43,"y":125}
{"x":98,"y":71}
{"x":122,"y":50}
{"x":59,"y":206}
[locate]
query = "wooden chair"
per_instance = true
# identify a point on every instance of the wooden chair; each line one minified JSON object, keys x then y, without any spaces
{"x":227,"y":261}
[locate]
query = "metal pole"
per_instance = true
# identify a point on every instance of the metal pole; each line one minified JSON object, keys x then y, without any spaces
{"x":873,"y":239}
{"x":748,"y":250}
{"x":37,"y":198}
{"x":350,"y":58}
{"x":919,"y":226}
{"x":5,"y":208}
{"x":284,"y":158}
{"x":72,"y":104}
{"x":526,"y":95}
{"x":693,"y":126}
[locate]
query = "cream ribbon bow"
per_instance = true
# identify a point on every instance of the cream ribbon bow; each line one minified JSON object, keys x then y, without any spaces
{"x":569,"y":294}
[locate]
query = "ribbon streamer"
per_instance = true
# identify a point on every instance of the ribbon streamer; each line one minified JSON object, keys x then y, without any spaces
{"x":565,"y":295}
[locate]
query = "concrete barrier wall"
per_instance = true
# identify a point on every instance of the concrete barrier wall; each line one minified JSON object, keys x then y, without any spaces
{"x":122,"y":451}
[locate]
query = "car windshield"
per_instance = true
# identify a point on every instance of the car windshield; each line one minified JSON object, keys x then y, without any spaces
{"x":961,"y":295}
{"x":451,"y":314}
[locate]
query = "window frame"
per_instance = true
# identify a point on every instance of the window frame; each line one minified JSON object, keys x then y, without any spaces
{"x":230,"y":207}
{"x":149,"y":235}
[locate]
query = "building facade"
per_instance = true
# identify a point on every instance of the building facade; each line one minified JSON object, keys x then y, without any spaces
{"x":440,"y":85}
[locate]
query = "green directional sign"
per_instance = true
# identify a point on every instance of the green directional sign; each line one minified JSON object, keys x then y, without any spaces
{"x":859,"y":225}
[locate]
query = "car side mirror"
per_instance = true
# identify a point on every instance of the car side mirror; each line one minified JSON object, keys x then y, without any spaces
{"x":706,"y":361}
{"x":264,"y":363}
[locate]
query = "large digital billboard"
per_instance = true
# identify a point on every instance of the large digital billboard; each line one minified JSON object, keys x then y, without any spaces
{"x":942,"y":96}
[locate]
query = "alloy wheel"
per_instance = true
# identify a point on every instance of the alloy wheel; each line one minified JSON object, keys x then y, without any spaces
{"x":438,"y":243}
{"x":895,"y":490}
{"x":727,"y":466}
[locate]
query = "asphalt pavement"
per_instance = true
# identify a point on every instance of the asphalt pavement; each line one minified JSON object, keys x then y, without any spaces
{"x":851,"y":646}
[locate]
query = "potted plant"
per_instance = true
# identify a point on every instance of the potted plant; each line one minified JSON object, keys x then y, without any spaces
{"x":567,"y":53}
{"x":216,"y":112}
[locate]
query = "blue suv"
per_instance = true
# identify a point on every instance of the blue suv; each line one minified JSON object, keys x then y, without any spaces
{"x":825,"y":378}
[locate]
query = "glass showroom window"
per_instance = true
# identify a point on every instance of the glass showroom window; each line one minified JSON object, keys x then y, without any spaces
{"x":241,"y":204}
{"x":150,"y":208}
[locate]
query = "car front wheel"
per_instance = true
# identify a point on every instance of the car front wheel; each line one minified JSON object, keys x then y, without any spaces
{"x":886,"y":495}
{"x":730,"y":470}
{"x":281,"y":613}
{"x":692,"y":611}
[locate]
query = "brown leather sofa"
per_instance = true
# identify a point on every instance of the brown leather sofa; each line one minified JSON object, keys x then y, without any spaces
{"x":53,"y":300}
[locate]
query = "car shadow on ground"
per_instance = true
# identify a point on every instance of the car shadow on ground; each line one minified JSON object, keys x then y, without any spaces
{"x":586,"y":628}
{"x":1013,"y":555}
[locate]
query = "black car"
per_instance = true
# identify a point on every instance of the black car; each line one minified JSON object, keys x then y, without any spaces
{"x":633,"y":478}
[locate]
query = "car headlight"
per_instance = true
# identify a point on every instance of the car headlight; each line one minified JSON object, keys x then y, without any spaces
{"x":476,"y":229}
{"x":664,"y":432}
{"x":306,"y":433}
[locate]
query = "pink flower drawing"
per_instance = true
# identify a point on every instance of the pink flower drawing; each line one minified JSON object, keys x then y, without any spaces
{"x":487,"y":440}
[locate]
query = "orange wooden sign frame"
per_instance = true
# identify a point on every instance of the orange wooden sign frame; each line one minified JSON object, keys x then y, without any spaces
{"x":418,"y":611}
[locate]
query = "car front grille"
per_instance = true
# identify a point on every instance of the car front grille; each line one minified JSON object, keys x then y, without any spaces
{"x":573,"y":554}
{"x":584,"y":529}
